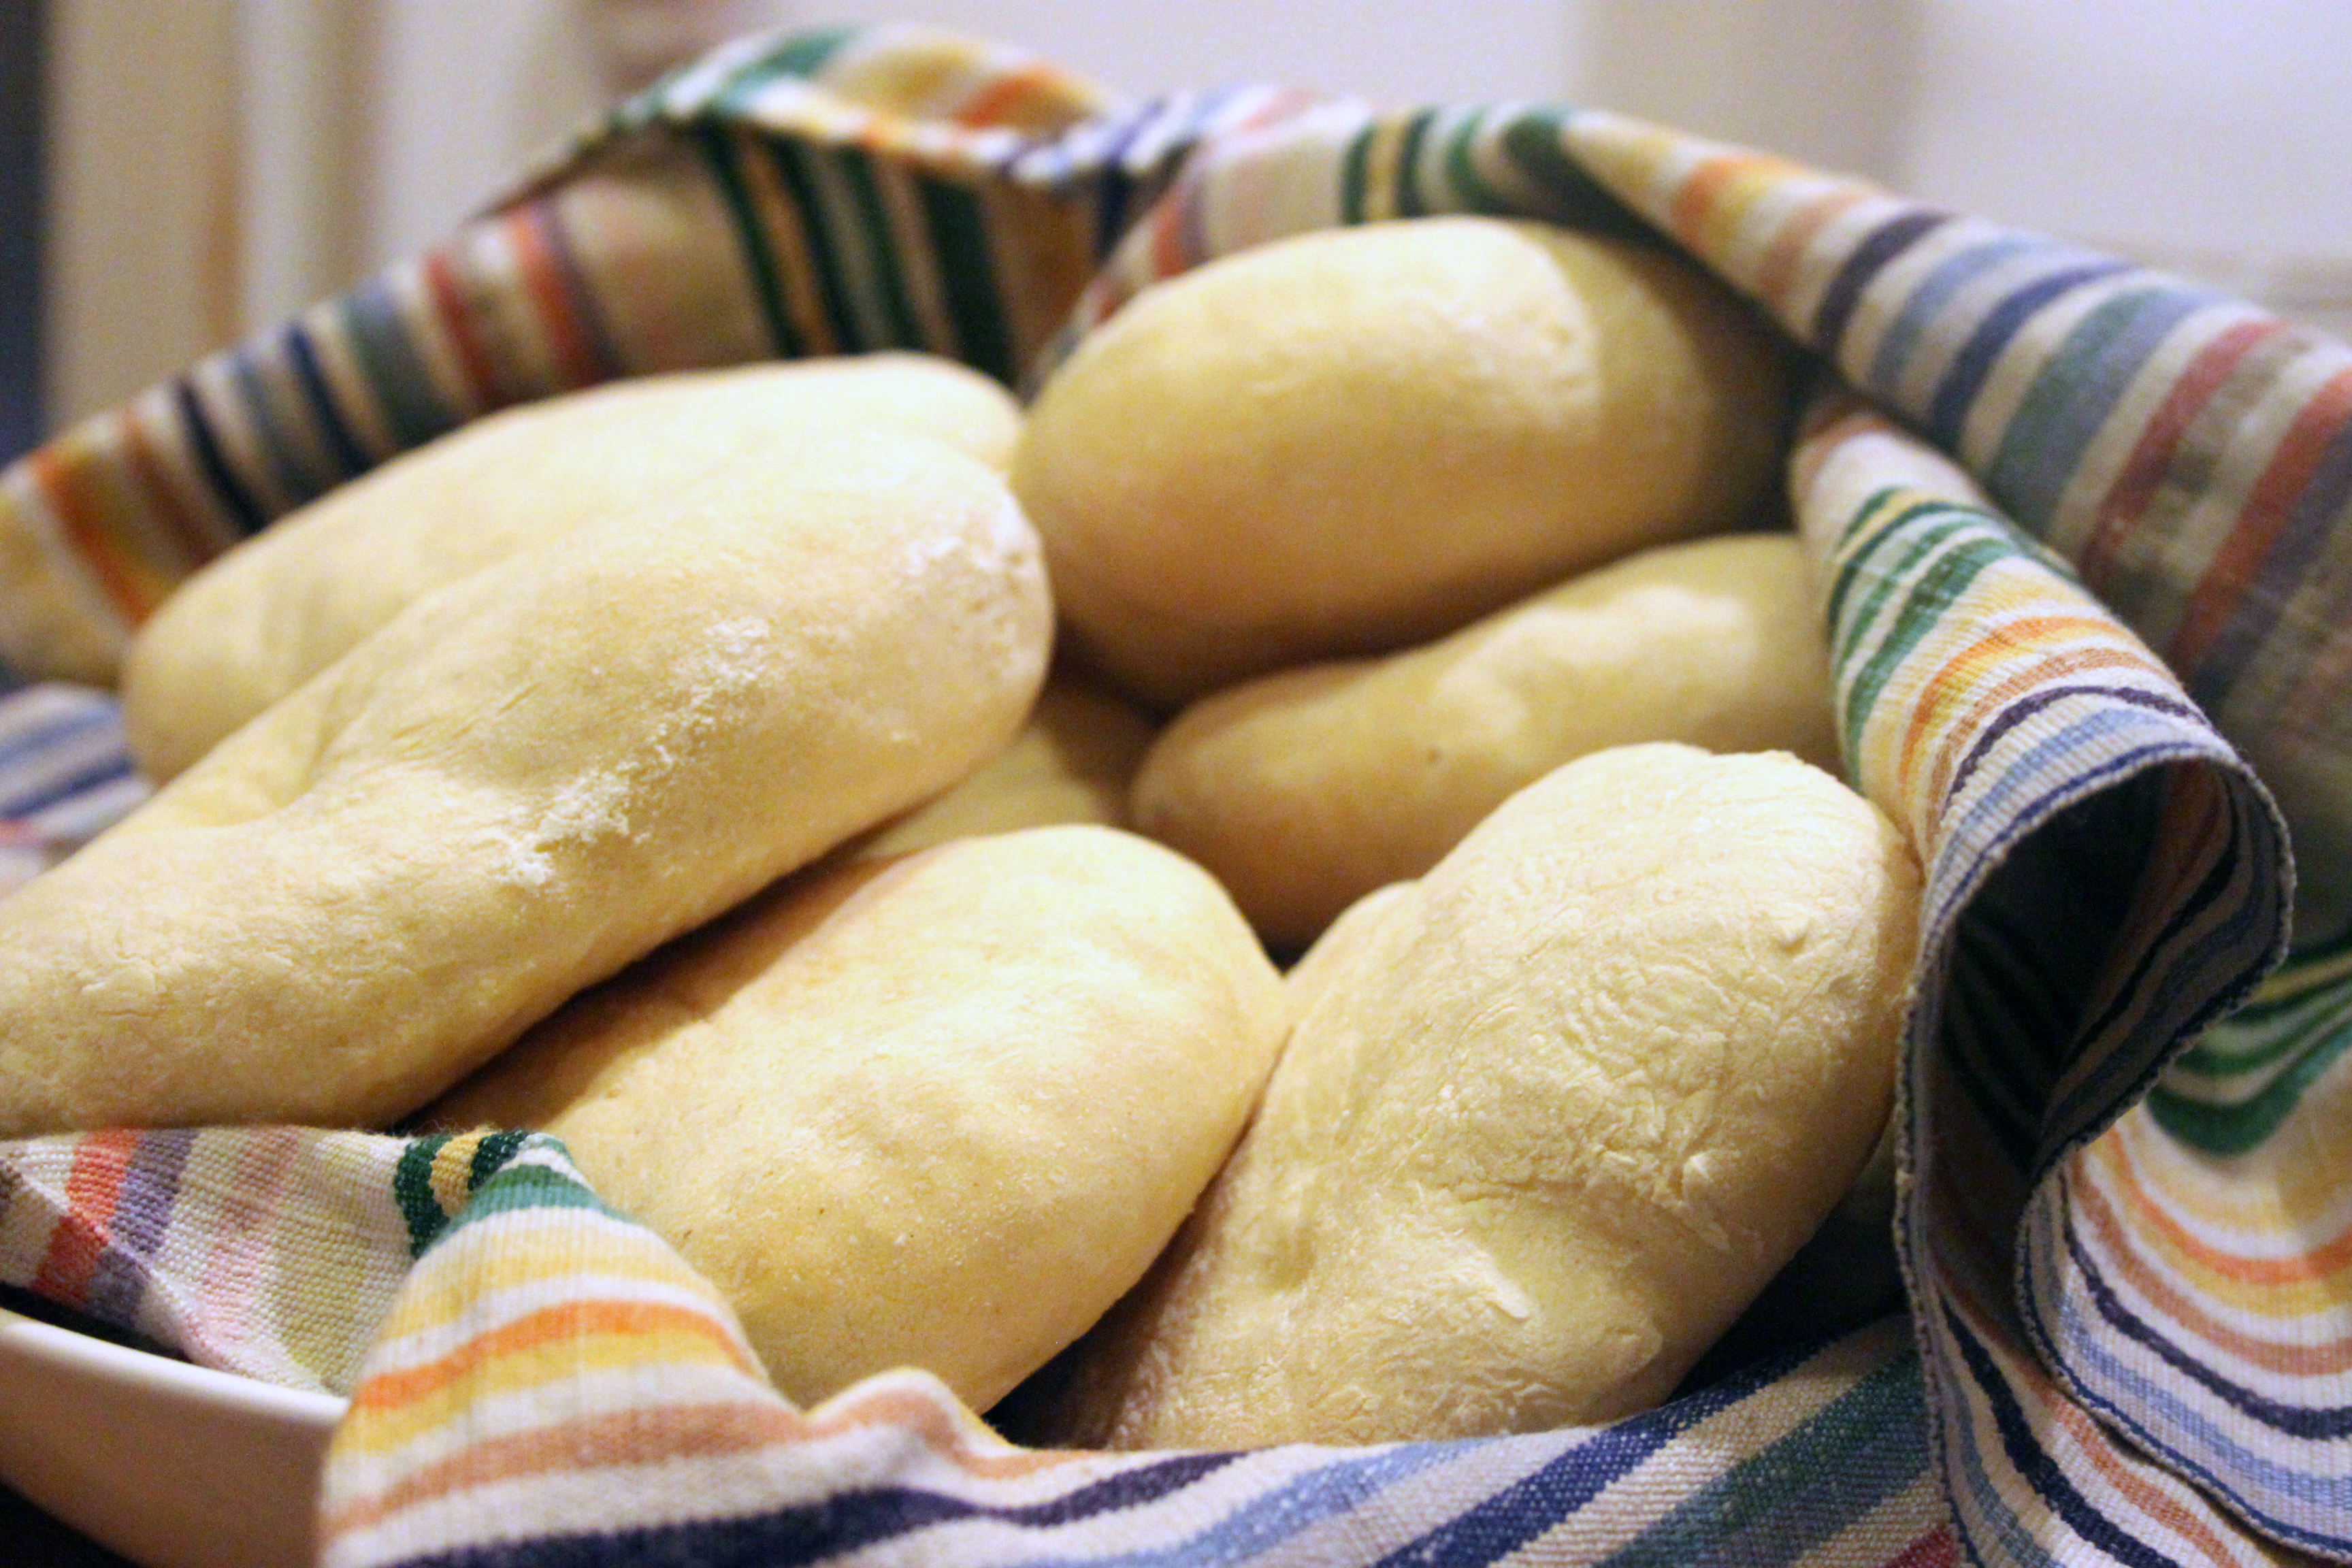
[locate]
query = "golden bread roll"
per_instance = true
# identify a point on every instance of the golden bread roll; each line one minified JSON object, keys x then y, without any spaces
{"x":521,"y":782}
{"x":1564,"y":1108}
{"x":1071,"y":762}
{"x":1305,"y":789}
{"x":1358,"y":439}
{"x":260,"y":620}
{"x":939,"y":1111}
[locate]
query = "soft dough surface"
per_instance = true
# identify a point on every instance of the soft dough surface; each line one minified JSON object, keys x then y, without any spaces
{"x":524,"y":781}
{"x":1072,"y":761}
{"x":1305,"y":789}
{"x":266,"y":617}
{"x":1358,"y":438}
{"x":1542,"y":1129}
{"x":938,"y":1111}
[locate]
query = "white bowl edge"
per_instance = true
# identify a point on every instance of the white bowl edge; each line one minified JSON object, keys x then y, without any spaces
{"x":171,"y":1464}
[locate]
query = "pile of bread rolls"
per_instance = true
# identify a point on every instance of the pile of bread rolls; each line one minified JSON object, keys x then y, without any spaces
{"x":676,"y":767}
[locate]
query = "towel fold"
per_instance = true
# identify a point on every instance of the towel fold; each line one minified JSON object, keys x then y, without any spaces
{"x":2080,"y":551}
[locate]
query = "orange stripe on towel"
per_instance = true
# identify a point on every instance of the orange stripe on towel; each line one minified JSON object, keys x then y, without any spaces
{"x":95,"y":546}
{"x":569,"y":1320}
{"x":529,"y":229}
{"x":455,"y":317}
{"x":1006,"y":100}
{"x":2302,"y":1272}
{"x":2222,"y":588}
{"x":94,"y":1183}
{"x":641,"y":1436}
{"x":2123,"y":1258}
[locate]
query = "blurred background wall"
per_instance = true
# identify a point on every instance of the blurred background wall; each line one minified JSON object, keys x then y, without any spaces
{"x":211,"y":165}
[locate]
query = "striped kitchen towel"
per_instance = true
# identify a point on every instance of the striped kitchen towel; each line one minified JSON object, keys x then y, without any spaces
{"x":272,"y":1252}
{"x":2080,"y":560}
{"x":65,"y":774}
{"x":553,"y":1385}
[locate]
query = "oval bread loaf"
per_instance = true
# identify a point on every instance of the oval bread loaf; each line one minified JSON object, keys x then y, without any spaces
{"x":1537,"y":1137}
{"x":524,"y":782}
{"x":1358,"y":439}
{"x":260,"y":620}
{"x":1305,"y":789}
{"x":939,"y":1111}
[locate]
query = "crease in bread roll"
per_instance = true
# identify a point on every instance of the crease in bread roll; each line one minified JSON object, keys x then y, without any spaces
{"x":1305,"y":789}
{"x":1072,"y":761}
{"x":938,"y":1111}
{"x":260,"y":619}
{"x":526,"y":780}
{"x":1552,"y":1116}
{"x":1353,"y":440}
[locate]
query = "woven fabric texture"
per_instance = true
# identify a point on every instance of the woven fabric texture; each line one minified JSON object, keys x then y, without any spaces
{"x":2079,"y":538}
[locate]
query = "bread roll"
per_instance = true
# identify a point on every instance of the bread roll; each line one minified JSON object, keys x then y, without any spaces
{"x":938,"y":1111}
{"x":262,"y":618}
{"x":1538,"y":1138}
{"x":1072,"y":761}
{"x":1305,"y":789}
{"x":1358,"y":439}
{"x":523,"y":782}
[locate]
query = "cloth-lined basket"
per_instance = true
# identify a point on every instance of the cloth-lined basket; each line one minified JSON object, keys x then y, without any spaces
{"x":2083,"y":555}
